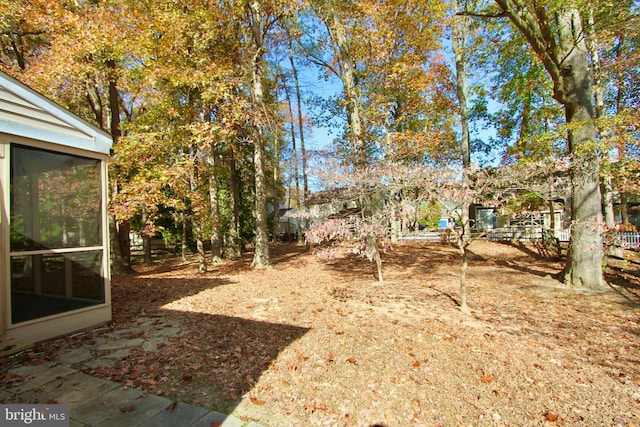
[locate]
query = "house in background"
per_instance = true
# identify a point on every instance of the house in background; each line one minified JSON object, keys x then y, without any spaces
{"x":333,"y":203}
{"x":54,"y":257}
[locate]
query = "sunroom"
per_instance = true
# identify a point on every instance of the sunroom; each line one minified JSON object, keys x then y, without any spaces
{"x":54,"y":274}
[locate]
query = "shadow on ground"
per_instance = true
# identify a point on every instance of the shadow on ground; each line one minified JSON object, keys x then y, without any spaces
{"x":213,"y":361}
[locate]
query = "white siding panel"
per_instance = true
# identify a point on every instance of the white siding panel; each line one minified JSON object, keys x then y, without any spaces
{"x":9,"y":97}
{"x":17,"y":110}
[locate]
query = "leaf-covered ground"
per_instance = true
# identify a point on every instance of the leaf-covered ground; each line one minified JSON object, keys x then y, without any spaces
{"x":317,"y":342}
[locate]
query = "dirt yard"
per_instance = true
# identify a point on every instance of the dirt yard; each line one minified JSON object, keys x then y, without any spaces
{"x":320,"y":342}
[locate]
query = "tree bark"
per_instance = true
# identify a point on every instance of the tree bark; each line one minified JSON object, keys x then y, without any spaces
{"x":261,"y":256}
{"x":146,"y":238}
{"x":559,"y":43}
{"x":216,"y":239}
{"x":95,"y":103}
{"x":351,"y":93}
{"x":304,"y":194}
{"x":16,"y":44}
{"x":294,"y":158}
{"x":276,"y":190}
{"x":121,"y":257}
{"x":584,"y":266}
{"x":183,"y":237}
{"x":232,"y":246}
{"x":598,"y":98}
{"x":463,"y":247}
{"x":622,"y":149}
{"x":121,"y":242}
{"x":202,"y":256}
{"x":459,"y":44}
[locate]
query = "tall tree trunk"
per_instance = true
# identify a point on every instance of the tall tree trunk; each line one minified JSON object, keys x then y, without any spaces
{"x":622,"y":149}
{"x":202,"y":256}
{"x":261,"y":256}
{"x":351,"y":93}
{"x":584,"y":264}
{"x":371,"y":241}
{"x":146,"y":238}
{"x":119,"y":254}
{"x":302,"y":197}
{"x":359,"y":153}
{"x":294,"y":161}
{"x":598,"y":97}
{"x":276,"y":189}
{"x":16,"y":43}
{"x":463,"y":248}
{"x":561,"y":47}
{"x":216,"y":238}
{"x":459,"y":44}
{"x":95,"y":103}
{"x":121,"y":242}
{"x":232,"y":246}
{"x":183,"y":237}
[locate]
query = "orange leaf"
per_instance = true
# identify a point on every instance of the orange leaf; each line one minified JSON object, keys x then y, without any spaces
{"x":416,"y":363}
{"x":551,"y":416}
{"x":127,"y":409}
{"x":486,"y":379}
{"x":352,"y":360}
{"x":172,"y":406}
{"x":256,"y":401}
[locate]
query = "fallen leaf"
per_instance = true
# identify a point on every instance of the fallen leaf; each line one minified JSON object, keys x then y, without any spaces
{"x":486,"y":379}
{"x":257,"y":401}
{"x":352,"y":360}
{"x":416,"y":363}
{"x":551,"y":416}
{"x":331,"y":357}
{"x":52,"y":402}
{"x":313,"y":407}
{"x":172,"y":406}
{"x":127,"y":409}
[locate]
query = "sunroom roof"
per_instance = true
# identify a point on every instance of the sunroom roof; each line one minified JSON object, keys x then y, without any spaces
{"x":26,"y":113}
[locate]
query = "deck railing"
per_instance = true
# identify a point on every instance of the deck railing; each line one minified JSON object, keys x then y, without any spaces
{"x":627,"y":240}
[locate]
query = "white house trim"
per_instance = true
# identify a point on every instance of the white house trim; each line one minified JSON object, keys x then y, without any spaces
{"x":24,"y":112}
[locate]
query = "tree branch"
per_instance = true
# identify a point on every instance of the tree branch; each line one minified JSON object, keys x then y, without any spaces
{"x":484,"y":15}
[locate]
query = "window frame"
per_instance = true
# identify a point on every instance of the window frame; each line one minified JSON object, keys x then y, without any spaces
{"x":5,"y":226}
